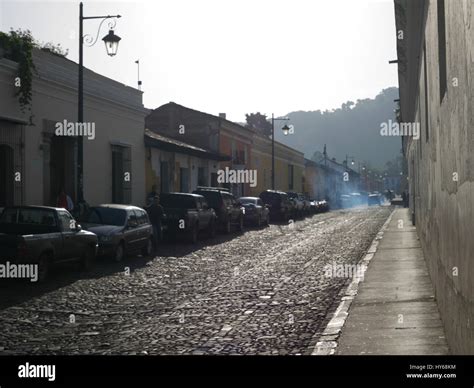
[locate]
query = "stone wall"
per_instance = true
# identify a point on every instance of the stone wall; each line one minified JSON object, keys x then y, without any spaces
{"x":441,"y":168}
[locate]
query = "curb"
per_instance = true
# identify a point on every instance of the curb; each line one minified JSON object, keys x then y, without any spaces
{"x":327,"y":343}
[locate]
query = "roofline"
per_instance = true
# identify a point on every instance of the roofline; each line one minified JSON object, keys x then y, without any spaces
{"x":171,"y":103}
{"x":171,"y":146}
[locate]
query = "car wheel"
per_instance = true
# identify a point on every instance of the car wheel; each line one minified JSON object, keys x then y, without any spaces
{"x":88,"y":259}
{"x":241,"y":224}
{"x":193,"y":234}
{"x":43,"y":267}
{"x":119,"y":253}
{"x":147,"y":250}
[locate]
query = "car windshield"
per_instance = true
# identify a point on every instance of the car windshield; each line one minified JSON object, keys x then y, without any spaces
{"x":178,"y":201}
{"x":106,"y":216}
{"x":247,"y":200}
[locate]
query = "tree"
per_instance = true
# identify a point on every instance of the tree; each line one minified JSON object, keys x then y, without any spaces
{"x":259,"y":123}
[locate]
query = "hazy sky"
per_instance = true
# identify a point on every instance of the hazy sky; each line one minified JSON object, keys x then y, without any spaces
{"x":233,"y":56}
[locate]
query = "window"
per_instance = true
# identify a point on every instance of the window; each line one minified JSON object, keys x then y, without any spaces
{"x":121,"y":174}
{"x":202,"y":181}
{"x":214,"y":179}
{"x":442,"y":49}
{"x":142,"y":218}
{"x":198,"y":203}
{"x":184,"y":180}
{"x":132,"y":219}
{"x":106,"y":216}
{"x":227,"y":200}
{"x":66,"y":221}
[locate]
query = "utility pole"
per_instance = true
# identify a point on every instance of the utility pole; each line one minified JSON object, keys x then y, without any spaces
{"x":273,"y":146}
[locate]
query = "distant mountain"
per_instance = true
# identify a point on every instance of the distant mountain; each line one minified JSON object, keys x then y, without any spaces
{"x":353,"y":130}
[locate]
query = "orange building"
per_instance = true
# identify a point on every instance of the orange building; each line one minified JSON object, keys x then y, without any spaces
{"x":210,"y":133}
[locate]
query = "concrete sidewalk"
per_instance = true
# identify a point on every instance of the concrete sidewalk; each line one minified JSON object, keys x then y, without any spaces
{"x":394,"y":311}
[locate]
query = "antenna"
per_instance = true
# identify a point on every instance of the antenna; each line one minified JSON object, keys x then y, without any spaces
{"x":138,"y":82}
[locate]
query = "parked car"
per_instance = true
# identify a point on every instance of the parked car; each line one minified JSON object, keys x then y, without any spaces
{"x":313,"y":206}
{"x":44,"y":236}
{"x":298,"y":203}
{"x":188,"y":214}
{"x":323,"y":206}
{"x":356,"y":199}
{"x":122,"y":230}
{"x":280,"y":206}
{"x":256,"y":211}
{"x":228,"y":210}
{"x":345,"y":201}
{"x":306,"y":204}
{"x":374,"y":199}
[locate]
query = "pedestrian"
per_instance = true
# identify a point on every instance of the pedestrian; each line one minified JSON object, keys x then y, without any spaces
{"x":155,"y":213}
{"x":64,"y":201}
{"x":150,"y":197}
{"x":405,"y":198}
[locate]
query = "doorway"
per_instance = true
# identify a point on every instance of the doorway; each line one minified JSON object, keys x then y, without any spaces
{"x":6,"y":175}
{"x":61,"y":168}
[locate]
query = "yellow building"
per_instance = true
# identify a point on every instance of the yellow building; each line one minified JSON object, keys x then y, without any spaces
{"x":289,"y":166}
{"x":172,"y":165}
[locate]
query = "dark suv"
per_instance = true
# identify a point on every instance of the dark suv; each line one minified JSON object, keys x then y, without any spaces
{"x":187,"y":213}
{"x":281,"y":207}
{"x":228,"y":210}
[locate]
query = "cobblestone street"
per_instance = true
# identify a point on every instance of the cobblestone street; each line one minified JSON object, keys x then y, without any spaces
{"x":260,"y":292}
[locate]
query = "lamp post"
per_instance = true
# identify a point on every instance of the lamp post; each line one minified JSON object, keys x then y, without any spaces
{"x":347,"y":157}
{"x":285,"y":131}
{"x":111,"y":45}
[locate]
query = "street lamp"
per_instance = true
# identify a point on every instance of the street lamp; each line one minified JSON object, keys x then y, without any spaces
{"x":347,"y":157}
{"x":285,"y":129}
{"x":111,"y":45}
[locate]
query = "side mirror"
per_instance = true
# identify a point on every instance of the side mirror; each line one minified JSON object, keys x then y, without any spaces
{"x":78,"y":228}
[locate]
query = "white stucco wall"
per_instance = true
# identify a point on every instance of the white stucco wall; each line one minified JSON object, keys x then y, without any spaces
{"x":116,"y":110}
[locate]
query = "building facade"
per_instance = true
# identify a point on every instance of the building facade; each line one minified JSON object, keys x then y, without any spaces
{"x":214,"y":134}
{"x":289,"y":166}
{"x":436,"y":77}
{"x":174,"y":166}
{"x":36,"y":162}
